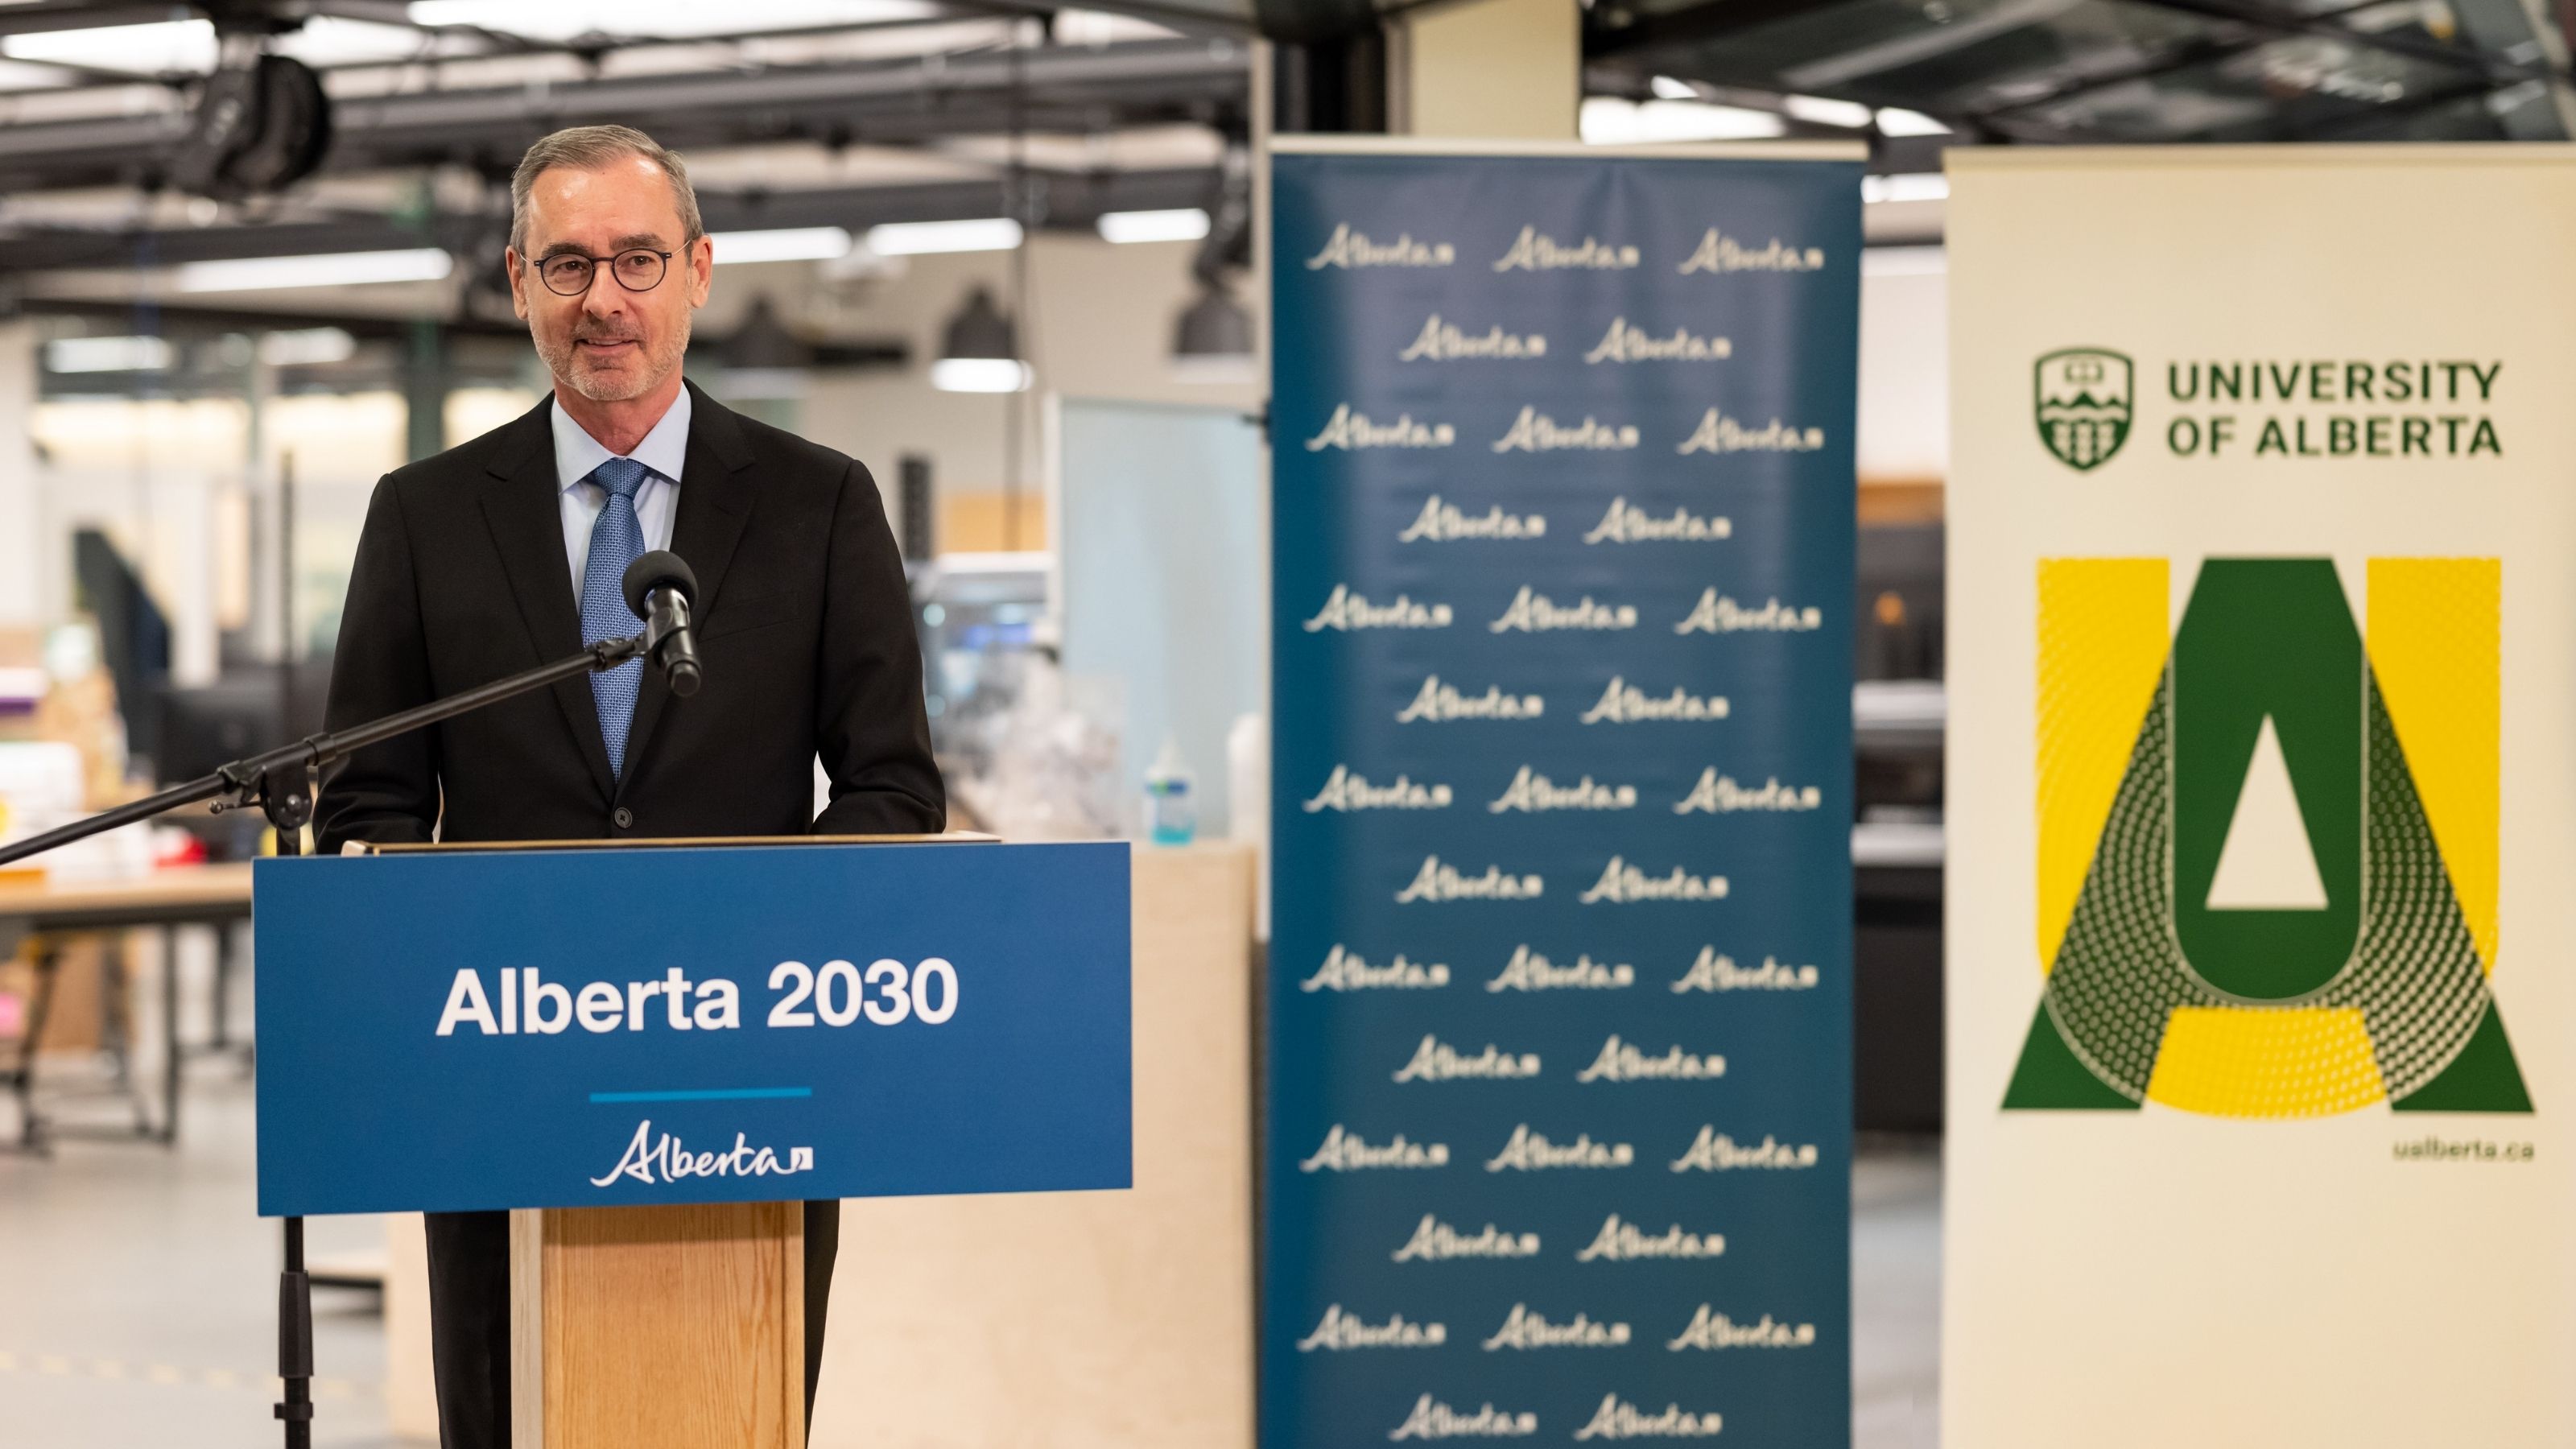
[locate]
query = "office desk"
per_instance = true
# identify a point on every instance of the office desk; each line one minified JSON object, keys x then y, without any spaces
{"x":211,"y":895}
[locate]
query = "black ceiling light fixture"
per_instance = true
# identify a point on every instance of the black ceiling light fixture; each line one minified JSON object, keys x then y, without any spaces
{"x":980,"y":351}
{"x":486,"y":294}
{"x":261,"y":124}
{"x":762,"y":359}
{"x":1213,"y":341}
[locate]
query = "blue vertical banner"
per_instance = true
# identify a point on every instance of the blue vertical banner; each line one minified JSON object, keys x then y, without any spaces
{"x":1558,"y":1126}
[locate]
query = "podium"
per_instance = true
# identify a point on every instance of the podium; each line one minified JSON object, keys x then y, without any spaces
{"x":657,"y":1326}
{"x":654,"y":1053}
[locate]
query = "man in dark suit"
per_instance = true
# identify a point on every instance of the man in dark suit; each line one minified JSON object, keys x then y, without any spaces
{"x":507,"y":552}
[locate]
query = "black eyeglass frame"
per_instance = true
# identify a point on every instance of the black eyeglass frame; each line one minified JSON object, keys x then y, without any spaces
{"x":590,"y":264}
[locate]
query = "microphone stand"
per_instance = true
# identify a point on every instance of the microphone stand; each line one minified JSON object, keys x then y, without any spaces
{"x":280,"y":784}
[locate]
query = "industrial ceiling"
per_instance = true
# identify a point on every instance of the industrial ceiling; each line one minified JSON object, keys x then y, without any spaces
{"x":2121,"y":71}
{"x":794,"y":113}
{"x":849,"y":113}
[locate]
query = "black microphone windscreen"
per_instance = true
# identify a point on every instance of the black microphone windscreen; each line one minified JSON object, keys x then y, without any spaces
{"x":655,"y":570}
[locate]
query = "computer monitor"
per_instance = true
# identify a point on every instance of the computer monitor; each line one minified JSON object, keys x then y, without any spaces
{"x":133,"y":635}
{"x":241,"y":713}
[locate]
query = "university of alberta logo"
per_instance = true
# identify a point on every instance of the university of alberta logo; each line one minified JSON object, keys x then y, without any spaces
{"x":2268,"y":847}
{"x":2082,"y":397}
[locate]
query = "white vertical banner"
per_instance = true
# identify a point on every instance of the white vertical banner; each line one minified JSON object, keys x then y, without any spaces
{"x":2262,"y":797}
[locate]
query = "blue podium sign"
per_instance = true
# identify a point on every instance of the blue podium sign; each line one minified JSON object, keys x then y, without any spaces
{"x":614,"y":1027}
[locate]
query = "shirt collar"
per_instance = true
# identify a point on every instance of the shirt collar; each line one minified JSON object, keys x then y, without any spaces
{"x":664,"y":450}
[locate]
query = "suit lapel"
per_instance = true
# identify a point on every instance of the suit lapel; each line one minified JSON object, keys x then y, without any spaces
{"x":523,"y":504}
{"x":715,"y":503}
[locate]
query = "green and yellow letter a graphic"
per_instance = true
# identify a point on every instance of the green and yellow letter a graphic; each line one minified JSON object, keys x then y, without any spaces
{"x":2268,"y":856}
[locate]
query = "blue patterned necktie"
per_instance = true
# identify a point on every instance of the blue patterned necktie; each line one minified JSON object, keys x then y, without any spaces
{"x":616,"y":540}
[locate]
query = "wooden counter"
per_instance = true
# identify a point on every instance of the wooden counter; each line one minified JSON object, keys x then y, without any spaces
{"x":1071,"y":1319}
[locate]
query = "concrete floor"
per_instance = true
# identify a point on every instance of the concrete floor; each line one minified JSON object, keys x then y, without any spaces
{"x":1896,"y":1296}
{"x":137,"y":1293}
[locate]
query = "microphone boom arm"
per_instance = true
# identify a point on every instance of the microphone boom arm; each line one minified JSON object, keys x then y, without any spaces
{"x":280,"y":781}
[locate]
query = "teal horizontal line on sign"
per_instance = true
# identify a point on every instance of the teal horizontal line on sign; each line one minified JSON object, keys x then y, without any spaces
{"x":712,"y":1094}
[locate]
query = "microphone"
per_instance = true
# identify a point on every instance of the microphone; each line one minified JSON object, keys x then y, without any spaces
{"x":659,"y":589}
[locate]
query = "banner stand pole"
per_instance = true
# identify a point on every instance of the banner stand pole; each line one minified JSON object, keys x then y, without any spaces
{"x":288,"y":810}
{"x":295,"y":1340}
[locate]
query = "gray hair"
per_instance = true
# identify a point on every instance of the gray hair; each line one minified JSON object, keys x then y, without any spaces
{"x":588,"y":148}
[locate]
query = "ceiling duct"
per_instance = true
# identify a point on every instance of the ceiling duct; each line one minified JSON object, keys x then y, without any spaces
{"x":1311,"y":22}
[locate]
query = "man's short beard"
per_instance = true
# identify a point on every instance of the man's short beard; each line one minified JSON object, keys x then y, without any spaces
{"x":558,"y":358}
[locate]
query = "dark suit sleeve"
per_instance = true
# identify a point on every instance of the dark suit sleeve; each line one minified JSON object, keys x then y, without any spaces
{"x":870,"y":726}
{"x":386,"y":794}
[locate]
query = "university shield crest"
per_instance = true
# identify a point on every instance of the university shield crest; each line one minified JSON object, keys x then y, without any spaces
{"x":2083,"y":398}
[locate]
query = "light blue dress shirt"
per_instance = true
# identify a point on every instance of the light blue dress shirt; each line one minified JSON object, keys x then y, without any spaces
{"x":657,"y":502}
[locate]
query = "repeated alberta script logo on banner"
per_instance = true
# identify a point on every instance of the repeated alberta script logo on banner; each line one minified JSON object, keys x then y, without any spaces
{"x":1715,"y":253}
{"x":1525,"y":1329}
{"x":1529,"y":969}
{"x":1532,"y":612}
{"x":1616,"y":1418}
{"x":1558,"y":1073}
{"x":1713,"y":431}
{"x":1444,"y":340}
{"x":1533,"y":1150}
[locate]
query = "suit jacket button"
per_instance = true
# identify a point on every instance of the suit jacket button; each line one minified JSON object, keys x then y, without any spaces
{"x":624,"y":817}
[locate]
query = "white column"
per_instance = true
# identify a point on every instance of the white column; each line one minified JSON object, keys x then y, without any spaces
{"x":267,"y":633}
{"x":183,"y":534}
{"x":1501,"y":69}
{"x":24,"y":534}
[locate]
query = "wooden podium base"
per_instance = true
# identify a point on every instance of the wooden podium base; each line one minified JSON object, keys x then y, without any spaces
{"x":658,"y":1328}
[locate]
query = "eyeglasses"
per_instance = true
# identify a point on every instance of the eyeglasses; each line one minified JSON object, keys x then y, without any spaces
{"x":639,"y":269}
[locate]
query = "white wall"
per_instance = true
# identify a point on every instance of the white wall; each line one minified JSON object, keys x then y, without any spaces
{"x":1103,"y":323}
{"x":1904,"y":365}
{"x":175,"y":485}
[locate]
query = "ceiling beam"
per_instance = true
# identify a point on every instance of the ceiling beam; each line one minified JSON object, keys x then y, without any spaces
{"x":2335,"y":26}
{"x":1070,"y":199}
{"x":2182,"y":57}
{"x":1619,"y":28}
{"x":45,"y":15}
{"x":1075,"y":87}
{"x":1688,"y":42}
{"x":1187,"y":19}
{"x":182,"y":323}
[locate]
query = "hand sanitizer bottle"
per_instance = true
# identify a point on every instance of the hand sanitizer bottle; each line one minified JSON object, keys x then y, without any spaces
{"x":1171,"y":810}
